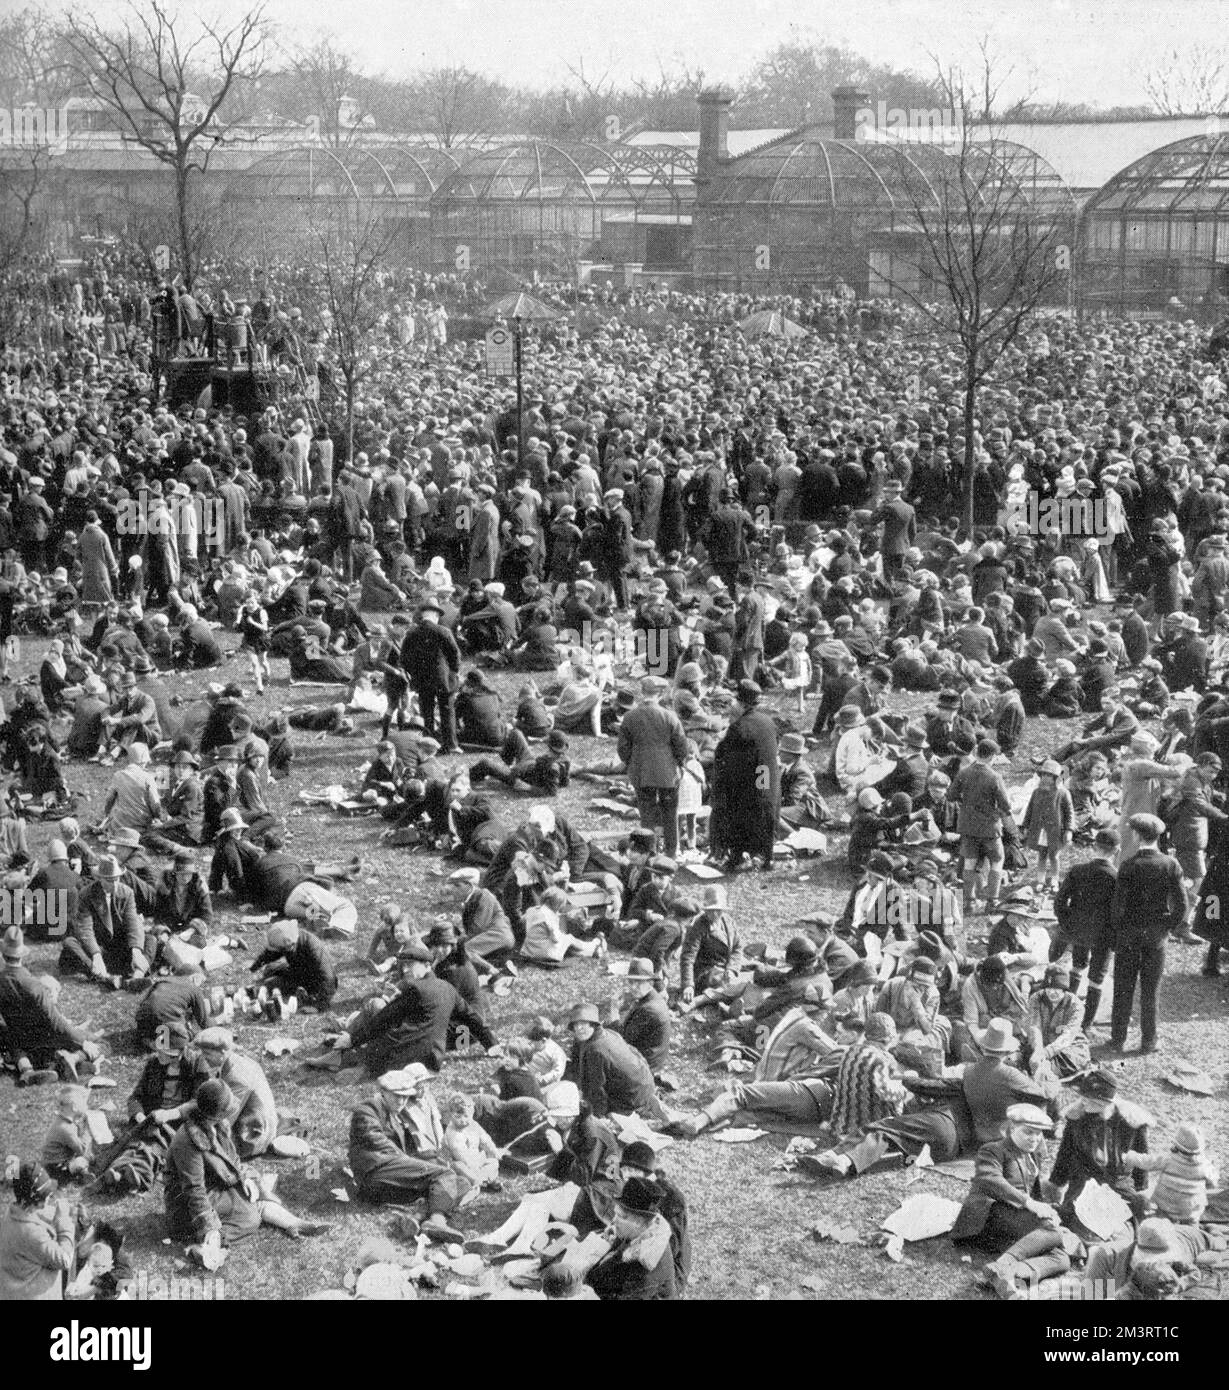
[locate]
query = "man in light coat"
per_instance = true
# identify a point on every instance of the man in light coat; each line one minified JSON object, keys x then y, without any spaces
{"x":653,"y":748}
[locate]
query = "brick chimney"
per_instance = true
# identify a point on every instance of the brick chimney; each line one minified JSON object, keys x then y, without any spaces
{"x":846,"y":103}
{"x":714,"y":104}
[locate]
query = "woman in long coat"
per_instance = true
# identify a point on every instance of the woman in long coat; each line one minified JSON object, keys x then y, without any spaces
{"x":98,"y":564}
{"x":747,"y":783}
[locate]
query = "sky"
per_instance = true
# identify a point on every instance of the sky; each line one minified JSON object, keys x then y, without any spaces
{"x":1063,"y":50}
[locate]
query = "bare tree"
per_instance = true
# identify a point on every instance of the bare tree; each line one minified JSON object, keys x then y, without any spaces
{"x":1194,"y":82}
{"x":35,"y":63}
{"x":329,"y":80}
{"x":669,"y":101}
{"x":352,"y":245}
{"x":146,"y":75}
{"x":23,"y":173}
{"x":993,"y":243}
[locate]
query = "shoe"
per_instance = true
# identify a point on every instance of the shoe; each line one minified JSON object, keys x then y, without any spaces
{"x":1147,"y":1049}
{"x":437,"y":1228}
{"x":37,"y":1076}
{"x":312,"y":1228}
{"x":67,"y":1063}
{"x":1211,"y":972}
{"x":330,"y":1061}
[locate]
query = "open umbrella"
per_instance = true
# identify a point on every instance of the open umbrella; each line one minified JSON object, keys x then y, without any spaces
{"x":519,"y":306}
{"x":769,"y":323}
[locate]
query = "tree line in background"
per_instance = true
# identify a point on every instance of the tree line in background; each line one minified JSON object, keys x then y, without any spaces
{"x":46,"y":58}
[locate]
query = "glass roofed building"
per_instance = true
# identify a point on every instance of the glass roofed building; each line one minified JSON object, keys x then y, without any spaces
{"x":1156,"y":235}
{"x":540,"y":207}
{"x":844,"y":206}
{"x":280,"y":197}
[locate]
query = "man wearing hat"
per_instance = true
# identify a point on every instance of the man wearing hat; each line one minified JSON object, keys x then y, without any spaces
{"x":296,"y":961}
{"x":653,"y":748}
{"x":644,"y":1020}
{"x":748,"y":629}
{"x":1004,"y":1212}
{"x":640,"y":1160}
{"x":396,"y":1146}
{"x":220,"y":792}
{"x":983,"y":803}
{"x":107,"y":941}
{"x":612,"y":1076}
{"x":255,"y":1121}
{"x":746,"y":785}
{"x":801,"y":803}
{"x":414,"y":1026}
{"x":432,"y":662}
{"x":899,"y":523}
{"x":640,"y":1265}
{"x":1149,"y":902}
{"x":911,"y":769}
{"x":139,"y":875}
{"x":542,"y":774}
{"x":133,"y":717}
{"x":35,"y":1036}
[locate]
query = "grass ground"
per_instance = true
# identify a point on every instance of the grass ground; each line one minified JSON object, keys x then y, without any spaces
{"x":750,"y":1221}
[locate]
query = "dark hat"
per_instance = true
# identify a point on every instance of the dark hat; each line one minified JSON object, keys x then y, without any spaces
{"x":948,"y":699}
{"x":862,"y":972}
{"x":800,"y":950}
{"x":793,"y":744}
{"x":215,"y":1100}
{"x":641,"y":1195}
{"x":430,"y":606}
{"x":414,"y":950}
{"x":662,"y":864}
{"x":1096,"y":1085}
{"x":640,"y":1155}
{"x":584,"y":1013}
{"x":749,"y":693}
{"x":922,"y":965}
{"x":557,"y":742}
{"x":880,"y":863}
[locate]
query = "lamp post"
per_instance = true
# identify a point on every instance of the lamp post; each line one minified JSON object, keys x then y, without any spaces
{"x":520,"y":392}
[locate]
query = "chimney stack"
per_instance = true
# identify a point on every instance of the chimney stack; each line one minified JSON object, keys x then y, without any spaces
{"x":714,"y":104}
{"x":846,"y":103}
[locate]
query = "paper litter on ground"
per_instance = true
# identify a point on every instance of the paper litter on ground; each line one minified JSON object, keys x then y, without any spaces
{"x":705,"y":871}
{"x":1188,"y":1078}
{"x":738,"y":1136}
{"x":283,"y":1047}
{"x":1101,"y":1209}
{"x":922,"y":1217}
{"x":631,"y":1128}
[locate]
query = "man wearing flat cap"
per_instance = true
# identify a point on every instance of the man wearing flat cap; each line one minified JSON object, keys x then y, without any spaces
{"x":1004,"y":1212}
{"x":397,"y":1145}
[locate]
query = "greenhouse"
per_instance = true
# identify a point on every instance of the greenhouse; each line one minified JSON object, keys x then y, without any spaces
{"x":1156,"y":236}
{"x":296,"y":190}
{"x":539,"y":208}
{"x":811,"y":211}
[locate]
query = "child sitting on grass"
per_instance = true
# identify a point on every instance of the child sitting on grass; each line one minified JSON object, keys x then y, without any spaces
{"x":468,"y":1146}
{"x":68,"y":1147}
{"x":1184,"y":1175}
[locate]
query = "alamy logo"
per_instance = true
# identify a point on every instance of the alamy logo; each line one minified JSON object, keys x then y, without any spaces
{"x":929,"y":123}
{"x":1079,"y":517}
{"x":33,"y":127}
{"x":77,"y":1343}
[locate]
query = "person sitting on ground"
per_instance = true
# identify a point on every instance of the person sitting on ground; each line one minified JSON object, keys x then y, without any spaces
{"x":211,"y":1201}
{"x":639,"y":1267}
{"x":1003,"y":1212}
{"x":254,"y":1125}
{"x":296,"y":961}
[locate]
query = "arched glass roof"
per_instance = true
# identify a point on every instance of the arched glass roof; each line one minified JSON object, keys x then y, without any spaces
{"x":355,"y":171}
{"x":646,"y":177}
{"x":806,"y":169}
{"x":1189,"y":178}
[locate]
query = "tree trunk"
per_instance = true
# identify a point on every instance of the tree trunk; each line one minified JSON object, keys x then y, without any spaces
{"x":970,"y":429}
{"x":184,"y":227}
{"x":349,"y":376}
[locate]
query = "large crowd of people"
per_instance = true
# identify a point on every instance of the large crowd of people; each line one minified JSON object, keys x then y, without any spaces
{"x":725,"y":580}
